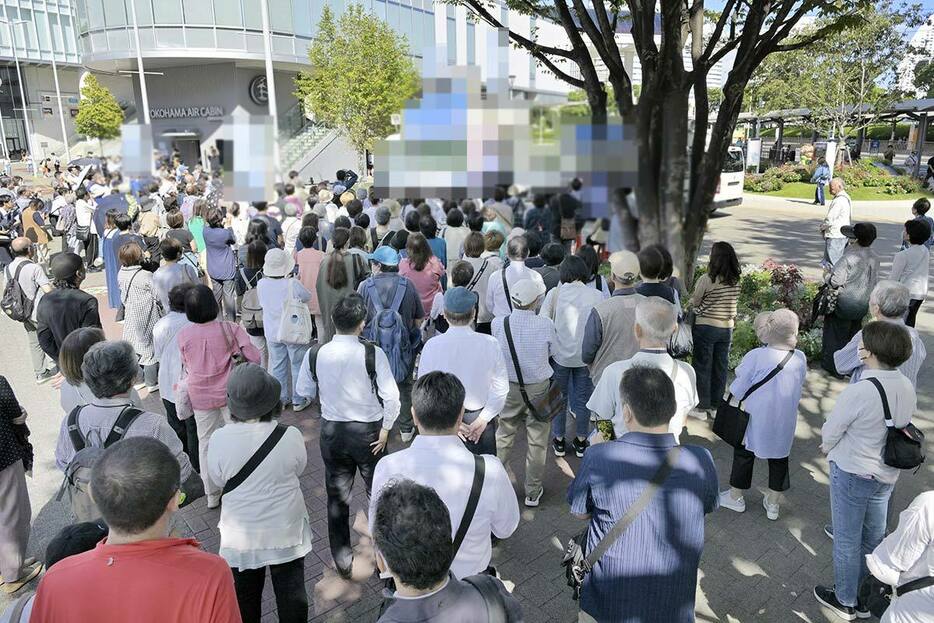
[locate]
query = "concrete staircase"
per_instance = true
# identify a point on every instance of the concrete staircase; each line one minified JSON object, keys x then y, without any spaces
{"x":295,"y":149}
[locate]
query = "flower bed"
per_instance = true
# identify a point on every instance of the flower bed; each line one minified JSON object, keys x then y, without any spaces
{"x":861,"y":174}
{"x":766,"y":287}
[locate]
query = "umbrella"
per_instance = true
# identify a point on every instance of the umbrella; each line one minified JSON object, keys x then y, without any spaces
{"x":83,"y":162}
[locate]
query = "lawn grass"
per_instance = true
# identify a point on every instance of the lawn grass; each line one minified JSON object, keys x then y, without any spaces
{"x":803,"y":190}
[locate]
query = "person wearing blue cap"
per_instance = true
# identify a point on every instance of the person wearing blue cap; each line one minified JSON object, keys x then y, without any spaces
{"x":393,"y":317}
{"x":477,"y":361}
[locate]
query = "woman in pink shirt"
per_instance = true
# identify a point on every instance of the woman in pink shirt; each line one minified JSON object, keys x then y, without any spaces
{"x":309,"y":261}
{"x":422,"y":268}
{"x":207,"y":350}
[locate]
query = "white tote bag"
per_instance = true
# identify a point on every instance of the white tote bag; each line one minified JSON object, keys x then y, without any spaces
{"x":295,"y":325}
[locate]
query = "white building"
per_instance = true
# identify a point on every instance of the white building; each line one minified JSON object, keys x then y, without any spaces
{"x":923,"y":45}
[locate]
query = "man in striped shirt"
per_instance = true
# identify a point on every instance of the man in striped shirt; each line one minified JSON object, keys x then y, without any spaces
{"x":888,"y":301}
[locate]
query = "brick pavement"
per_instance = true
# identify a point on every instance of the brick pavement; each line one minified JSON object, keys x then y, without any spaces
{"x":751,"y":570}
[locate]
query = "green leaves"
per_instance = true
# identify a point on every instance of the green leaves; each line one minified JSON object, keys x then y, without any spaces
{"x":99,"y":114}
{"x":362,"y":73}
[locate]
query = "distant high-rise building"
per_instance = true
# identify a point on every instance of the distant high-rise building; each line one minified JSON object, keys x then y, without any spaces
{"x":922,"y":48}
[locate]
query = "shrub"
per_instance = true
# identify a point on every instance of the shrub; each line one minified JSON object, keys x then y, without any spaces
{"x":744,"y":340}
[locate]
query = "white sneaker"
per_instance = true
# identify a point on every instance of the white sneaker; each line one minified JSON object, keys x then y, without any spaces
{"x":771,"y":510}
{"x":699,"y":414}
{"x":728,"y":501}
{"x":532,"y":502}
{"x":301,"y":406}
{"x":407,"y":436}
{"x":152,"y":389}
{"x":139,"y":385}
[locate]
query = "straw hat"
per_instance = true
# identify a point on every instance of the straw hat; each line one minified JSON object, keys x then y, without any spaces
{"x":325,"y":196}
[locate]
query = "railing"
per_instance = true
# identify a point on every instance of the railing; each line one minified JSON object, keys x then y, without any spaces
{"x":293,"y":121}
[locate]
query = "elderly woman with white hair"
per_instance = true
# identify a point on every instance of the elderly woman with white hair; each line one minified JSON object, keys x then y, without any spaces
{"x":888,"y":301}
{"x":772,"y":408}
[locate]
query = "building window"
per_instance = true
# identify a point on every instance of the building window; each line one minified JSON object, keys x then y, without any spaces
{"x":115,"y":13}
{"x":471,"y":43}
{"x":252,"y":17}
{"x":167,"y":12}
{"x":143,"y":12}
{"x":198,"y":12}
{"x":452,"y":41}
{"x":280,"y":16}
{"x":95,"y":14}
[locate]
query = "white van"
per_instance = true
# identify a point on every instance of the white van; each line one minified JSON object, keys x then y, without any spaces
{"x":730,"y":185}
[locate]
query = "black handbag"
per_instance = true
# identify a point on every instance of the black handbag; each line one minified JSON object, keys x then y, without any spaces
{"x":876,"y":595}
{"x":576,"y":564}
{"x":83,"y":233}
{"x":731,"y":420}
{"x":904,"y":447}
{"x":546,"y":407}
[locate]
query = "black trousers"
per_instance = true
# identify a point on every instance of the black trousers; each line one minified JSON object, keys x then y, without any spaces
{"x":187,"y":433}
{"x":837,"y":334}
{"x":288,"y":583}
{"x":487,"y":442}
{"x":913,"y":306}
{"x":345,"y":449}
{"x":90,"y":249}
{"x":741,"y":474}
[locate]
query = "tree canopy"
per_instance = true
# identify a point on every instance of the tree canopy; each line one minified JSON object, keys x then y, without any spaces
{"x":846,"y":79}
{"x":99,"y":114}
{"x":924,"y":78}
{"x":661,"y":33}
{"x":361,"y":74}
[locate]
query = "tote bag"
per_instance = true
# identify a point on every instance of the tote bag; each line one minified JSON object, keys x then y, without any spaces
{"x":295,"y":325}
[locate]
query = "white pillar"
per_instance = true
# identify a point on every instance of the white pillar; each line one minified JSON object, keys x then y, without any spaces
{"x":58,"y":92}
{"x":271,"y":90}
{"x":139,"y":64}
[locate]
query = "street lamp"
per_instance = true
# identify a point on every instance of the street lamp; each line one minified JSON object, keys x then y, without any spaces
{"x":19,"y":75}
{"x":139,"y":64}
{"x":58,"y":92}
{"x":271,"y":90}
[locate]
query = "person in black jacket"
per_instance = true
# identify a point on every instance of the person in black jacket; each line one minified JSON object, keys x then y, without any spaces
{"x":67,"y":307}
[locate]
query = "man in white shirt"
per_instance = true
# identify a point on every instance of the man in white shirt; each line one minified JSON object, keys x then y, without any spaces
{"x":838,"y":215}
{"x":358,"y":408}
{"x":438,"y":459}
{"x":34,"y":283}
{"x":530,"y":341}
{"x":656,"y":320}
{"x":477,"y":361}
{"x":517,"y":250}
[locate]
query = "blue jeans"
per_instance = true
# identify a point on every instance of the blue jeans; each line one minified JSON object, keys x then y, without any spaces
{"x":858,"y":506}
{"x":711,"y":360}
{"x":286,"y":360}
{"x":819,"y":194}
{"x":576,"y":386}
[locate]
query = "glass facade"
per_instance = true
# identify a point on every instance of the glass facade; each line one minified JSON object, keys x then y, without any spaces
{"x":38,"y":29}
{"x":228,"y":26}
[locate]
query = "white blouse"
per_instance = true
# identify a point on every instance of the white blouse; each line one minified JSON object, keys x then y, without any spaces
{"x":773,"y":408}
{"x":906,"y":555}
{"x":569,"y":306}
{"x":263,"y":521}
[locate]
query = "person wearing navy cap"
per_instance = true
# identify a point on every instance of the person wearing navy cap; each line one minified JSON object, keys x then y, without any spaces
{"x":477,"y":361}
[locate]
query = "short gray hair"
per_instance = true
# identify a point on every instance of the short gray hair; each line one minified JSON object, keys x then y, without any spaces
{"x":838,"y":181}
{"x":657,"y":317}
{"x":383,"y":215}
{"x":109,"y":368}
{"x":891,"y":297}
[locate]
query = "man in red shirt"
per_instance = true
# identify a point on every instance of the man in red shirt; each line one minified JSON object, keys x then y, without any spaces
{"x":137,"y":573}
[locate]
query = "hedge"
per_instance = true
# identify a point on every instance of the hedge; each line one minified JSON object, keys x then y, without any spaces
{"x":861,"y":174}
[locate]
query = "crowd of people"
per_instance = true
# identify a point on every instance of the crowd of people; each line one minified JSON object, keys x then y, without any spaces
{"x":438,"y":330}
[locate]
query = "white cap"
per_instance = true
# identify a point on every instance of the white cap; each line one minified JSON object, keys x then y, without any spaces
{"x":525,"y":291}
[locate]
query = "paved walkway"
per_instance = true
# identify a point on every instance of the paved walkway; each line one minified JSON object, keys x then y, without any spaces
{"x":752,"y":570}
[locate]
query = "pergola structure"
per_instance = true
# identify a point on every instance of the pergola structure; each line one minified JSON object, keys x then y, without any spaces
{"x":919,"y":110}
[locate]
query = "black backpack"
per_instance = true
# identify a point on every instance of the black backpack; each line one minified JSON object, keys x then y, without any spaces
{"x":904,"y":447}
{"x":369,"y":349}
{"x":15,"y":303}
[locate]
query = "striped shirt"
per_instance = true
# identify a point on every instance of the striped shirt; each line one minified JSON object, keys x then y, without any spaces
{"x":715,"y":303}
{"x":846,"y":360}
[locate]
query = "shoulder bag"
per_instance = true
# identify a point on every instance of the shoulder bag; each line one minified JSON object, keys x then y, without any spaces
{"x":295,"y":324}
{"x":876,"y":595}
{"x":576,"y":564}
{"x":904,"y":447}
{"x":825,"y":302}
{"x":236,"y":353}
{"x":476,"y":488}
{"x":731,"y":421}
{"x":545,"y":407}
{"x":254,"y":461}
{"x":506,"y":287}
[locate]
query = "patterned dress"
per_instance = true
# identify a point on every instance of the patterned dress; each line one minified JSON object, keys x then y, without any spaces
{"x":141,"y":311}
